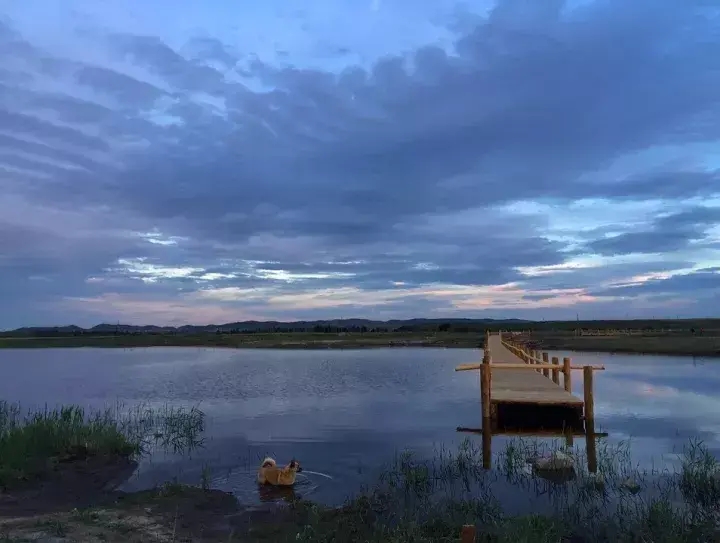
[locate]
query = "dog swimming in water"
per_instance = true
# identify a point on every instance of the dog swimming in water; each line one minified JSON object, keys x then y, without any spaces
{"x":270,"y":474}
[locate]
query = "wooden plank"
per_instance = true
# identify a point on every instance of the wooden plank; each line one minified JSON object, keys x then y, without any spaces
{"x":513,"y":386}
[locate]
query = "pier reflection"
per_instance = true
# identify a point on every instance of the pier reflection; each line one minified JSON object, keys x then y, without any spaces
{"x":588,"y":433}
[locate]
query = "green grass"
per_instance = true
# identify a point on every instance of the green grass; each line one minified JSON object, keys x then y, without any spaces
{"x":33,"y":443}
{"x":429,"y":501}
{"x":649,"y":342}
{"x":278,"y":340}
{"x":646,"y":344}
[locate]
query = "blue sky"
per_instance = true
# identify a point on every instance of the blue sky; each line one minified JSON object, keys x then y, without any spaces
{"x":184,"y":162}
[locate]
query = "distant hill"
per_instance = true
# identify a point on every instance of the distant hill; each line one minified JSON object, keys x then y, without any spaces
{"x":257,"y":326}
{"x":335,"y":326}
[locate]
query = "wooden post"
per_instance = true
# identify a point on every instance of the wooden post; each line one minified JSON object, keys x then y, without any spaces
{"x":556,"y":372}
{"x":487,"y":443}
{"x":588,"y":390}
{"x":468,"y":535}
{"x":485,"y":384}
{"x":589,"y":398}
{"x":568,"y":375}
{"x":591,"y":445}
{"x":486,"y":349}
{"x":545,"y":358}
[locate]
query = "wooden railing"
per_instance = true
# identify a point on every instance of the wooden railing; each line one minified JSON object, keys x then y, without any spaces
{"x":537,"y":361}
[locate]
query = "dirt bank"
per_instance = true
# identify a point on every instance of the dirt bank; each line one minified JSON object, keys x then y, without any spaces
{"x":77,"y":502}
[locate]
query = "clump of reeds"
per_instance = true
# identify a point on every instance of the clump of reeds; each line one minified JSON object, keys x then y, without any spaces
{"x":32,"y":442}
{"x":423,"y":500}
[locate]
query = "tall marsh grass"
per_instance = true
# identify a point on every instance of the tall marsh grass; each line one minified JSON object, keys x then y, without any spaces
{"x":418,"y":500}
{"x":33,"y":442}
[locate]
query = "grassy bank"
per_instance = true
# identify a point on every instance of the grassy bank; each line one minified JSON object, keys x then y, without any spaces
{"x":415,"y":500}
{"x":279,"y":340}
{"x":38,"y":444}
{"x":707,"y":346}
{"x":675,"y":344}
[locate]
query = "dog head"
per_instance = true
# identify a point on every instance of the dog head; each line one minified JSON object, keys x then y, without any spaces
{"x":295,"y":465}
{"x":268,"y":463}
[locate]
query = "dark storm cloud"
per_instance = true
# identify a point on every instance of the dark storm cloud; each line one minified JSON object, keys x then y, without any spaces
{"x":9,"y":145}
{"x":699,"y":284}
{"x":153,"y":53}
{"x":73,"y":110}
{"x":382,"y":143}
{"x":20,"y":162}
{"x":211,"y":49}
{"x":372,"y":166}
{"x":27,"y":125}
{"x":669,"y":233}
{"x":120,"y":86}
{"x":591,"y":277}
{"x":671,"y":184}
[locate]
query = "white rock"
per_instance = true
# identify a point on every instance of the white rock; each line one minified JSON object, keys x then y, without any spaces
{"x":631,"y":485}
{"x":557,"y":461}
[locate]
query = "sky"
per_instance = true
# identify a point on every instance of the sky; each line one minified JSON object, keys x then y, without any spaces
{"x":207,"y":162}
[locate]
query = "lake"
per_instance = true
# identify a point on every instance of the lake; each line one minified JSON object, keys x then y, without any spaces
{"x":345,"y":414}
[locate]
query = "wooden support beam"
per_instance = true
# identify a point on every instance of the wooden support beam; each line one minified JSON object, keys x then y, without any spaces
{"x":468,"y":534}
{"x":529,"y":433}
{"x":556,"y":371}
{"x":589,"y":398}
{"x":546,"y":372}
{"x":567,"y":374}
{"x":518,"y":366}
{"x":485,"y":387}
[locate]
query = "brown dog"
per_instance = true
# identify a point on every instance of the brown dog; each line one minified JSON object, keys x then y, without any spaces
{"x":270,"y":474}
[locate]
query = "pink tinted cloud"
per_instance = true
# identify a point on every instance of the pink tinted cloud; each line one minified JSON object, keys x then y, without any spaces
{"x":233,"y":304}
{"x":170,"y":312}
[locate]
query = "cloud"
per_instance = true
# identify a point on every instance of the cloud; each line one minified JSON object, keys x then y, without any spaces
{"x":516,"y":160}
{"x":694,"y":284}
{"x":669,"y":233}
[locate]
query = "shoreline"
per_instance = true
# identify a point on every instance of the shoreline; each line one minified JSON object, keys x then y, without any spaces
{"x":63,"y":492}
{"x":265,"y":341}
{"x":691,"y":346}
{"x":706,"y":347}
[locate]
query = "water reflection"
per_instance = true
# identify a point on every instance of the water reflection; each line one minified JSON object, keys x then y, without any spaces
{"x":589,"y":434}
{"x":348,"y":413}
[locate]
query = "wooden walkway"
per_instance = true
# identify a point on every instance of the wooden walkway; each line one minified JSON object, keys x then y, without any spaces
{"x":521,"y":387}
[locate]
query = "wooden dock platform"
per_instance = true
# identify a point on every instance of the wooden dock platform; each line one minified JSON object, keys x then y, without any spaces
{"x":520,"y":388}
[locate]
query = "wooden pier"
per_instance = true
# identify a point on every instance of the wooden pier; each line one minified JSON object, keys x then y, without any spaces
{"x":520,"y":389}
{"x":521,"y":395}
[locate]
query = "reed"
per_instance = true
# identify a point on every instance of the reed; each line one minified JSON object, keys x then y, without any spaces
{"x":32,"y":443}
{"x":423,"y":500}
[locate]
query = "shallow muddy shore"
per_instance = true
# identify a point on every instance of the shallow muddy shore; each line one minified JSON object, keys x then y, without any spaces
{"x":76,"y":502}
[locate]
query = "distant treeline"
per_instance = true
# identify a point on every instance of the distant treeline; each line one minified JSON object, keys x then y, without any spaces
{"x":361,"y":326}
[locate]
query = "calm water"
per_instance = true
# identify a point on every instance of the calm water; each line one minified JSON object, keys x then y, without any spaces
{"x":345,"y":414}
